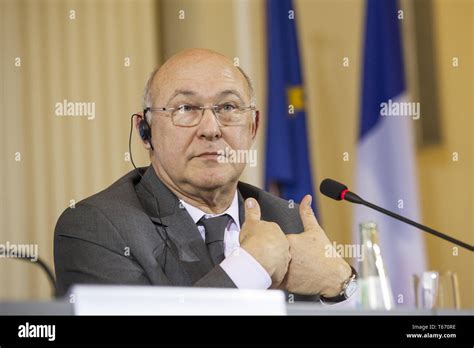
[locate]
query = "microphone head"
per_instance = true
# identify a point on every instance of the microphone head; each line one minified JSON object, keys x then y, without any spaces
{"x":332,"y":189}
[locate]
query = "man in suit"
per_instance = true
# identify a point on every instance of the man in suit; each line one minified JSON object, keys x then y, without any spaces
{"x":186,"y":220}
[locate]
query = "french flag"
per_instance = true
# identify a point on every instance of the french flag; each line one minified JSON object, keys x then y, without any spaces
{"x":386,"y":172}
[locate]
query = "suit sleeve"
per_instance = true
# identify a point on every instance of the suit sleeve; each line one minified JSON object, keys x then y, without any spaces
{"x":216,"y":278}
{"x":88,"y":249}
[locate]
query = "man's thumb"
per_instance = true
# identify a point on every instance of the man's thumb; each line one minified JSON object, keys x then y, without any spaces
{"x":252,"y":209}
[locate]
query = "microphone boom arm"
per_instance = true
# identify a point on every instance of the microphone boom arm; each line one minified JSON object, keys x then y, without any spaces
{"x":411,"y":222}
{"x":338,"y":191}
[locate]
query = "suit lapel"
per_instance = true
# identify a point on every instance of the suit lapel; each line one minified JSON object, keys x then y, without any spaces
{"x":245,"y":191}
{"x":187,"y":245}
{"x":241,"y":208}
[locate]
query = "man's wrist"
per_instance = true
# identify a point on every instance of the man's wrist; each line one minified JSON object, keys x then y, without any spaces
{"x":349,"y":288}
{"x":337,"y":285}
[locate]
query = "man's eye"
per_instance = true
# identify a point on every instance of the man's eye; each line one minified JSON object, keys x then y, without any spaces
{"x":185,"y":108}
{"x":227,"y":107}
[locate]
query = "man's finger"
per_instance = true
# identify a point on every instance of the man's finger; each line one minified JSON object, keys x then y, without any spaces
{"x":252,"y":210}
{"x":307,"y":215}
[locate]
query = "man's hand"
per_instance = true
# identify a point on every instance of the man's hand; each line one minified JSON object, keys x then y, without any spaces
{"x":265,"y":241}
{"x":313,"y":270}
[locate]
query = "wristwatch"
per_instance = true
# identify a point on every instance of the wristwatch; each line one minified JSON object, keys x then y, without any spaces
{"x":349,"y":287}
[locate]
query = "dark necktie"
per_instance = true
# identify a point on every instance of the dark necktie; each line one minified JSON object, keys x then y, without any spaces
{"x":215,"y":228}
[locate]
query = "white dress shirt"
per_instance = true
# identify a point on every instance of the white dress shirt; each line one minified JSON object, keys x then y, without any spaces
{"x":240,"y":266}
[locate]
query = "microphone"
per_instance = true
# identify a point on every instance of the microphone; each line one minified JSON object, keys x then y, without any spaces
{"x":338,"y":191}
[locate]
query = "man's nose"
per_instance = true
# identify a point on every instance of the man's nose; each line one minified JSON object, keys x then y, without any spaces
{"x":209,"y":128}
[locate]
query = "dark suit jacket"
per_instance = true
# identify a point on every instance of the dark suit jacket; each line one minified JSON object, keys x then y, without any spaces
{"x":117,"y":236}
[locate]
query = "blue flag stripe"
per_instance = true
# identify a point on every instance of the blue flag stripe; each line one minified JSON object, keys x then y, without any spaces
{"x":383,"y":72}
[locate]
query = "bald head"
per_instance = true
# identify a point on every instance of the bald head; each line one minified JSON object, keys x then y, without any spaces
{"x":196,"y":63}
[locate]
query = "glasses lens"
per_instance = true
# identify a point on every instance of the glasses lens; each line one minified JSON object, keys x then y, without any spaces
{"x":186,"y":115}
{"x":230,"y":115}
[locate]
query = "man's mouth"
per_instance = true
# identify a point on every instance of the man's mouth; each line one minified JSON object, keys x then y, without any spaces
{"x":209,"y":155}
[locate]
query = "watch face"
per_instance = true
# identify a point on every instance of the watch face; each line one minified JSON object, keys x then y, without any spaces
{"x":351,"y":288}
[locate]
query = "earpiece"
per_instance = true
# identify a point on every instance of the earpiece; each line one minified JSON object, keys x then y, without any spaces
{"x":144,"y":129}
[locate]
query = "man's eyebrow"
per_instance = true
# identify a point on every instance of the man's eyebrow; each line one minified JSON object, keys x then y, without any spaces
{"x":190,"y":93}
{"x":230,"y":91}
{"x":183,"y":92}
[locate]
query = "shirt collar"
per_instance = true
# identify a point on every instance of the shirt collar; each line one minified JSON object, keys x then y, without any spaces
{"x":232,"y":211}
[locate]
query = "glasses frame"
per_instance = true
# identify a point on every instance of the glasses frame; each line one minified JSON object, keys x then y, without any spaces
{"x":242,"y":110}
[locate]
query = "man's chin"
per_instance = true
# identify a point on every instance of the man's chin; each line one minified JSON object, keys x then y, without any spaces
{"x":212,"y":178}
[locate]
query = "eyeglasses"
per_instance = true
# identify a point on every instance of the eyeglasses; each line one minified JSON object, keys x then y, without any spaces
{"x":186,"y":115}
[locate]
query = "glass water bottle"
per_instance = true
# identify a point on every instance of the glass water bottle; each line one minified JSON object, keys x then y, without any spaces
{"x":374,"y":285}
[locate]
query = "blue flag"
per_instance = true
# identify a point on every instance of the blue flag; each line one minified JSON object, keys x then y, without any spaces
{"x":287,"y":165}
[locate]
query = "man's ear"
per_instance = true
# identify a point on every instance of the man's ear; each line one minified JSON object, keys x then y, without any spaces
{"x":255,"y":124}
{"x":138,"y":116}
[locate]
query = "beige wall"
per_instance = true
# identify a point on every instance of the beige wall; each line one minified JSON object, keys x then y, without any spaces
{"x":66,"y":158}
{"x":331,"y":31}
{"x":447,"y":186}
